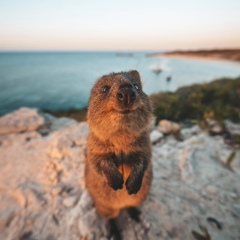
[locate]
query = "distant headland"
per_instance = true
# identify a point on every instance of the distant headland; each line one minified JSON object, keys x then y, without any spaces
{"x":214,"y":54}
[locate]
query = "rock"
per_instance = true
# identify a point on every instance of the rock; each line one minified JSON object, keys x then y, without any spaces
{"x":91,"y":226}
{"x":155,"y":136}
{"x":41,"y":179}
{"x":167,"y":127}
{"x":53,"y":124}
{"x":62,"y":142}
{"x":236,"y":210}
{"x":189,"y":132}
{"x":56,"y":190}
{"x":9,"y":209}
{"x":214,"y":127}
{"x":190,"y":181}
{"x":232,"y":127}
{"x":21,"y":120}
{"x":70,"y":201}
{"x":43,"y":194}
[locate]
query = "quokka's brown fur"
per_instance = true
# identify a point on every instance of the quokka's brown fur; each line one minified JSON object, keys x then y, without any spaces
{"x":118,"y":169}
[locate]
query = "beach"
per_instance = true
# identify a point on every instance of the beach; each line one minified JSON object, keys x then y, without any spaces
{"x":214,"y":54}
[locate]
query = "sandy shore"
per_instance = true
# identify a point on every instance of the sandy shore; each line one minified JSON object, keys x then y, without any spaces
{"x":226,"y":55}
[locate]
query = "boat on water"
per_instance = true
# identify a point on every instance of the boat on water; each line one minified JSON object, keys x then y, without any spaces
{"x":157,"y":69}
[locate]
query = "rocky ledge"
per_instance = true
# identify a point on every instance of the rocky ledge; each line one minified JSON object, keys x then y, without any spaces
{"x":195,"y":193}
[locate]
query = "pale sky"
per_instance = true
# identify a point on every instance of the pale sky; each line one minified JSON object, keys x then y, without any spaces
{"x":119,"y":25}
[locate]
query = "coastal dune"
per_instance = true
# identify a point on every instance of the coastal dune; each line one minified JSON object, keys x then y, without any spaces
{"x":43,"y":196}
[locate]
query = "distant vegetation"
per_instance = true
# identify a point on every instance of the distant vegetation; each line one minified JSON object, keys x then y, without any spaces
{"x":227,"y":54}
{"x":220,"y":98}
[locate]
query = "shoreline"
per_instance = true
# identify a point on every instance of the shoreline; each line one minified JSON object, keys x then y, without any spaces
{"x":200,"y":58}
{"x":231,"y":56}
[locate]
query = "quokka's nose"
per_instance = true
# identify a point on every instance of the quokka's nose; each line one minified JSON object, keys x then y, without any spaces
{"x":126,"y":95}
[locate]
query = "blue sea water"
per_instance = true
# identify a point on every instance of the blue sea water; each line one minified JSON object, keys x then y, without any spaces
{"x":63,"y":80}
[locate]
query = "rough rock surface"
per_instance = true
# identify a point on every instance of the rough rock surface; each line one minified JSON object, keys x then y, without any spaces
{"x":24,"y":119}
{"x":43,"y":196}
{"x":167,"y":127}
{"x":155,"y":136}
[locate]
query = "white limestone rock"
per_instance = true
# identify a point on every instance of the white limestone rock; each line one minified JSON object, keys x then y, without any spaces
{"x":43,"y":194}
{"x":155,"y":136}
{"x":21,"y":120}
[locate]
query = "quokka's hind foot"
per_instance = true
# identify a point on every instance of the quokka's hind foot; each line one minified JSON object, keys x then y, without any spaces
{"x":134,"y":213}
{"x":114,"y":232}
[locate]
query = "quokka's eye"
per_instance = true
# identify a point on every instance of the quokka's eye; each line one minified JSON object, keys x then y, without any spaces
{"x":136,"y":86}
{"x":106,"y":89}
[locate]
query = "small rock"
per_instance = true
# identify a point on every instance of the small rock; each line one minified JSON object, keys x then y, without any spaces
{"x":189,"y":132}
{"x":211,"y":190}
{"x":236,"y":210}
{"x":21,"y":120}
{"x":233,"y":195}
{"x":155,"y":136}
{"x":70,"y":201}
{"x":232,"y":127}
{"x":56,"y":191}
{"x":214,"y":127}
{"x":167,"y":127}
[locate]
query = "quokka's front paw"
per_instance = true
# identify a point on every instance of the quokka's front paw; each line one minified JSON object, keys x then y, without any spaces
{"x":133,"y":184}
{"x":115,"y":181}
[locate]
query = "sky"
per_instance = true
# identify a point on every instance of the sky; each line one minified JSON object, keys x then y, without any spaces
{"x":119,"y":25}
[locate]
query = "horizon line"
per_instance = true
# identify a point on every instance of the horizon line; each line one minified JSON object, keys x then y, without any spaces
{"x":119,"y":50}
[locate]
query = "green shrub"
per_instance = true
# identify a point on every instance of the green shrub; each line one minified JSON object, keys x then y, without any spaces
{"x":222,"y":97}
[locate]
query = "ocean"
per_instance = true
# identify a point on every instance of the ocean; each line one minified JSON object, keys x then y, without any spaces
{"x":63,"y":80}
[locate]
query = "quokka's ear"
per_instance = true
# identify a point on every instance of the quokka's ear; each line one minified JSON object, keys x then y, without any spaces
{"x":135,"y":74}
